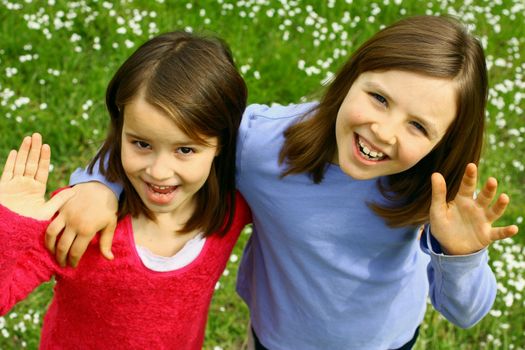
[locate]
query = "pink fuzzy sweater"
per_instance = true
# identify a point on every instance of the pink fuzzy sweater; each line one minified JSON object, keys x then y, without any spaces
{"x":117,"y":304}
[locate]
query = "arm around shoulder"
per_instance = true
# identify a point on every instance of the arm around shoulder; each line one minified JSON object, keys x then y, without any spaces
{"x":93,"y":208}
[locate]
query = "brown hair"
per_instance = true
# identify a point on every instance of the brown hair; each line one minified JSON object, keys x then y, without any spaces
{"x":430,"y":45}
{"x":193,"y":80}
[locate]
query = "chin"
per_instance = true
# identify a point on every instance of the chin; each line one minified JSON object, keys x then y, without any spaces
{"x":356,"y":175}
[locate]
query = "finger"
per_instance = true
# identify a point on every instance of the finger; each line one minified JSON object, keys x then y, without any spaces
{"x":9,"y":166}
{"x":106,"y":240}
{"x":497,"y":210}
{"x":33,"y":157}
{"x":498,"y":233}
{"x":64,"y":245}
{"x":78,"y":248}
{"x":439,"y":192}
{"x":21,"y":157}
{"x":57,"y":201}
{"x":42,"y":171}
{"x":53,"y":230}
{"x":468,"y":182}
{"x":488,"y":192}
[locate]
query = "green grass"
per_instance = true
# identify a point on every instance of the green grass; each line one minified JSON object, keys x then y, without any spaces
{"x":64,"y":54}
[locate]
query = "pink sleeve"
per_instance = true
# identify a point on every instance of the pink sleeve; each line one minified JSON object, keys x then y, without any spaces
{"x":24,"y":261}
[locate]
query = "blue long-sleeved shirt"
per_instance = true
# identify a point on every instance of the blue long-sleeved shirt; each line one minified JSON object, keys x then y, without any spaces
{"x":322,"y":271}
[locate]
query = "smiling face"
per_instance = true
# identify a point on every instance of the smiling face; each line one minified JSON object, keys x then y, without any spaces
{"x":163,"y":164}
{"x":390,"y":120}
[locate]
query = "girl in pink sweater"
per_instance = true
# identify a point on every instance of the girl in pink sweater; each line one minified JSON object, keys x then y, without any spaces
{"x":175,"y":107}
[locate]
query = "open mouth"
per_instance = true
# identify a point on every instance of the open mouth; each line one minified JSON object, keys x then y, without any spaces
{"x":160,"y":195}
{"x":368,"y":153}
{"x":161,"y":189}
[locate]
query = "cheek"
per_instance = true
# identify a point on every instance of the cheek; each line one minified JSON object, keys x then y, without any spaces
{"x":204,"y":169}
{"x":206,"y":165}
{"x":129,"y":160}
{"x":412,"y":154}
{"x":343,"y":122}
{"x":352,"y":114}
{"x":124,"y":156}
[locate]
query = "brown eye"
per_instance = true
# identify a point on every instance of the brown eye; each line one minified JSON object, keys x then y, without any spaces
{"x":419,"y":127}
{"x":185,"y":150}
{"x":382,"y":100}
{"x":142,"y":144}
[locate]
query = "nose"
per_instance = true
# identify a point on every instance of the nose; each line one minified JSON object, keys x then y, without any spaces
{"x":385,"y":133}
{"x":159,"y":169}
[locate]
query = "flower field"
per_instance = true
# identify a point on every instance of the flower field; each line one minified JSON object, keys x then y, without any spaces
{"x":56,"y":58}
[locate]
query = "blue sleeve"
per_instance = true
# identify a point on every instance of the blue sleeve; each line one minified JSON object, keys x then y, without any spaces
{"x":246,"y":122}
{"x":81,"y":175}
{"x":462,"y":287}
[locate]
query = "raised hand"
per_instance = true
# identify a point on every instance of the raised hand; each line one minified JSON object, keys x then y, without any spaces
{"x":23,"y":181}
{"x":464,"y":225}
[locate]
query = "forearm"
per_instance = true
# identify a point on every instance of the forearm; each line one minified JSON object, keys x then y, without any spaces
{"x":24,"y":263}
{"x":462,"y":288}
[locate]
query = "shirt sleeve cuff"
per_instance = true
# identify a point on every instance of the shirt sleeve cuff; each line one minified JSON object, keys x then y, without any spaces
{"x":430,"y":245}
{"x":80,"y":175}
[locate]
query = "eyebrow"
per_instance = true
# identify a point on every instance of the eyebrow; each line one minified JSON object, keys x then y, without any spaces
{"x":429,"y":126}
{"x":185,"y":142}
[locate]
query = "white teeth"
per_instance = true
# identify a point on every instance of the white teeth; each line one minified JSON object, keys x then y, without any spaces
{"x":372,"y":155}
{"x":160,"y":187}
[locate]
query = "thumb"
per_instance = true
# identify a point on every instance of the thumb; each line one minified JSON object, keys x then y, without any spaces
{"x":439,"y":193}
{"x":106,"y":240}
{"x":57,"y":201}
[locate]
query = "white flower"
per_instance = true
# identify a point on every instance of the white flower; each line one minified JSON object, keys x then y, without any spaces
{"x":11,"y":71}
{"x":245,"y":68}
{"x":75,"y":37}
{"x":495,"y":313}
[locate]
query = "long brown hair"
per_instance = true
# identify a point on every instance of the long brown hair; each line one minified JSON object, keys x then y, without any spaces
{"x":193,"y":80}
{"x":430,"y":45}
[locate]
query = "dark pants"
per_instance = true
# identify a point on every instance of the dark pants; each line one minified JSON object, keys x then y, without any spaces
{"x":407,"y":346}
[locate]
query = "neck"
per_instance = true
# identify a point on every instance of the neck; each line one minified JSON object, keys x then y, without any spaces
{"x":162,"y":237}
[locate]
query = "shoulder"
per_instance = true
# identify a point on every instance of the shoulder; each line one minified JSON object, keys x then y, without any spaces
{"x":278,"y":112}
{"x":9,"y":218}
{"x":261,"y":135}
{"x":122,"y":237}
{"x":263,"y":121}
{"x":243,"y":214}
{"x":241,"y":217}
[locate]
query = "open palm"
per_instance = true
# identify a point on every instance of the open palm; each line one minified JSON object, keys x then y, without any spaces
{"x":23,"y":181}
{"x":464,"y":225}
